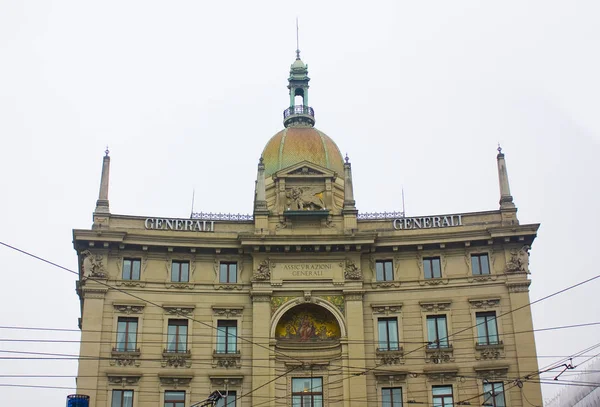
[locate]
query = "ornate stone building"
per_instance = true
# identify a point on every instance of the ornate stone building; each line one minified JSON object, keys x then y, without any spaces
{"x":307,"y":302}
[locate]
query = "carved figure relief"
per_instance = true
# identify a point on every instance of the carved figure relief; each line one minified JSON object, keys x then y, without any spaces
{"x":305,"y":198}
{"x":518,"y":261}
{"x":92,"y":265}
{"x":263,"y":272}
{"x":351,"y":272}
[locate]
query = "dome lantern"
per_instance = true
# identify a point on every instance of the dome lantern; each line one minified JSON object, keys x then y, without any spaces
{"x":299,"y":113}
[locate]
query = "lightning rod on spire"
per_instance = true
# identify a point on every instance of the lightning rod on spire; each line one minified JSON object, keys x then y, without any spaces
{"x":297,"y":40}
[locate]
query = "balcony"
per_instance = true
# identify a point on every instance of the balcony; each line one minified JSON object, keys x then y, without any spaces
{"x":299,"y":115}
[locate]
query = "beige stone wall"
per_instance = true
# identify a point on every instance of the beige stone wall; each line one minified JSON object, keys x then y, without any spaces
{"x":257,"y":303}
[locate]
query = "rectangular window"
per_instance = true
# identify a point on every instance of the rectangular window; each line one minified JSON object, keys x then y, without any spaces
{"x":180,"y":271}
{"x":432,"y":267}
{"x":131,"y":269}
{"x":226,"y":336}
{"x":384,"y":270}
{"x":480,"y":264}
{"x":391,"y":397}
{"x":388,"y":333}
{"x":487,"y":328}
{"x":126,"y":334}
{"x":177,"y":331}
{"x":493,"y":394}
{"x":228,"y":272}
{"x":122,"y":398}
{"x":228,"y":399}
{"x":437,"y":331}
{"x":174,"y":398}
{"x":307,"y":392}
{"x":442,"y":396}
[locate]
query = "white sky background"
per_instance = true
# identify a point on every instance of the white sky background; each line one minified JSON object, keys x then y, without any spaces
{"x":187,"y":93}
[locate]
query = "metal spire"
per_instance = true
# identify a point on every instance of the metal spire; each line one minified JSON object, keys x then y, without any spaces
{"x":297,"y":40}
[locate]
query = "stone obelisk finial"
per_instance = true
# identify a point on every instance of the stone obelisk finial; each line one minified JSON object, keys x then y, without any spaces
{"x":507,"y":206}
{"x":102,"y":202}
{"x":506,"y":199}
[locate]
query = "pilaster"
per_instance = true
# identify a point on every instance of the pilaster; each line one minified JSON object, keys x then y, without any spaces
{"x":261,"y":321}
{"x":93,"y":296}
{"x":357,"y":385}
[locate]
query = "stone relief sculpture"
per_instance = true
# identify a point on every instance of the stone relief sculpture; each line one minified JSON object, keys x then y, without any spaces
{"x":92,"y":265}
{"x":305,"y":198}
{"x":351,"y":272}
{"x":519,"y":259}
{"x":263,"y":272}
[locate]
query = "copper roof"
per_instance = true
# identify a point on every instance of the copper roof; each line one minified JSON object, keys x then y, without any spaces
{"x":295,"y":144}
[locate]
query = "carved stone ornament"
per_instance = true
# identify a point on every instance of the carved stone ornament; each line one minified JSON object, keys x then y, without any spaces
{"x":435,"y":306}
{"x":485,"y":303}
{"x":128,"y":309}
{"x":386,"y":309}
{"x":492,"y":373}
{"x":227,"y":360}
{"x":123,"y":380}
{"x":228,"y":312}
{"x":177,"y":359}
{"x":92,"y":265}
{"x":436,"y":376}
{"x":175,"y":381}
{"x":351,"y":272}
{"x":489,"y":352}
{"x":261,"y":298}
{"x":263,"y":272}
{"x":125,"y":359}
{"x":390,"y":357}
{"x":518,"y":261}
{"x":390,"y":379}
{"x":305,"y":198}
{"x":178,"y":310}
{"x":179,"y":286}
{"x":221,"y":381}
{"x":439,"y":355}
{"x":518,"y":287}
{"x":353,"y":296}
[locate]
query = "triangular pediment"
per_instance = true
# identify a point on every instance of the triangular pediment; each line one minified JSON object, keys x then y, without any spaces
{"x":305,"y":169}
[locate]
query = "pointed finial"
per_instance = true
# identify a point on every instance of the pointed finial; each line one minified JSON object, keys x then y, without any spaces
{"x":106,"y":151}
{"x":261,"y":159}
{"x":297,"y":40}
{"x":347,"y":159}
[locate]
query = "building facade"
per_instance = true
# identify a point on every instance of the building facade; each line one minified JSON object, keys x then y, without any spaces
{"x":307,"y":302}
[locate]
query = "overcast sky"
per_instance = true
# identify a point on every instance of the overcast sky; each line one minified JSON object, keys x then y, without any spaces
{"x":187,"y":93}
